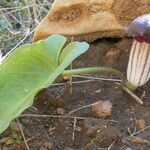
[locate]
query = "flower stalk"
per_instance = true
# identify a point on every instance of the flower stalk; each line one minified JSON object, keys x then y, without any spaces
{"x":92,"y":70}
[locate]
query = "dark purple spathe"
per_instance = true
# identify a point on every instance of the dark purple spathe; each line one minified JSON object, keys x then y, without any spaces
{"x":139,"y":28}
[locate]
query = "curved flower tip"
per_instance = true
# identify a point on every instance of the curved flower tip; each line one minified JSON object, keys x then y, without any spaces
{"x":138,"y":72}
{"x":140,"y":26}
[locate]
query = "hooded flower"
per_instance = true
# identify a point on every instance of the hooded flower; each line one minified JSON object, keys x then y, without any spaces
{"x":138,"y":71}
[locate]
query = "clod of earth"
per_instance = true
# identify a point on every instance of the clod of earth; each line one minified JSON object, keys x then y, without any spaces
{"x":102,"y":109}
{"x":140,"y":124}
{"x":90,"y":19}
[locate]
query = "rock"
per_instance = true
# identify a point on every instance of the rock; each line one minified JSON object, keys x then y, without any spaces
{"x":48,"y":145}
{"x":102,"y":109}
{"x":78,"y":129}
{"x":98,"y":91}
{"x":112,"y":55}
{"x":66,"y":78}
{"x":60,"y":111}
{"x":137,"y":140}
{"x":90,"y":19}
{"x":140,"y":124}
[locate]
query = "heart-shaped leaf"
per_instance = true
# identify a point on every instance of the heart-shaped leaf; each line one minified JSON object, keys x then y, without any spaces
{"x":31,"y":68}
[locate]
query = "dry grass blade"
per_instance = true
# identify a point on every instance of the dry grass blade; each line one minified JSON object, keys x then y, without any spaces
{"x":25,"y":141}
{"x":136,"y":98}
{"x":80,"y":108}
{"x":135,"y":133}
{"x":64,"y":117}
{"x":97,"y":78}
{"x":110,"y":147}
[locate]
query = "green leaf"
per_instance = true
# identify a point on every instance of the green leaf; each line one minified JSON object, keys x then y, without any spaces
{"x":52,"y":43}
{"x":29,"y":69}
{"x":74,"y":47}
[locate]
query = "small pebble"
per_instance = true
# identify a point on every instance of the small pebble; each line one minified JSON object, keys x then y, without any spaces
{"x":78,"y":129}
{"x":102,"y":109}
{"x":137,"y":140}
{"x":113,"y":54}
{"x":66,"y":78}
{"x":98,"y":91}
{"x":60,"y":111}
{"x":140,"y":124}
{"x":48,"y":145}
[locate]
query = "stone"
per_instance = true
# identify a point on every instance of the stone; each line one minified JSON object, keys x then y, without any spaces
{"x":60,"y":111}
{"x":140,"y":124}
{"x":90,"y":19}
{"x":113,"y":54}
{"x":102,"y":109}
{"x":137,"y":140}
{"x":66,"y":78}
{"x":48,"y":145}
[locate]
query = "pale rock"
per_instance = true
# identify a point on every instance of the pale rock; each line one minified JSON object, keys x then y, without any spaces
{"x":90,"y":19}
{"x":103,"y":109}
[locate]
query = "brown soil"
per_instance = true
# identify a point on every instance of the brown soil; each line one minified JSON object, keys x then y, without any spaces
{"x":89,"y":133}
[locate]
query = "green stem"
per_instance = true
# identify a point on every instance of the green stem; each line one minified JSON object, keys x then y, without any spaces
{"x":94,"y":70}
{"x":130,"y":86}
{"x":100,"y":70}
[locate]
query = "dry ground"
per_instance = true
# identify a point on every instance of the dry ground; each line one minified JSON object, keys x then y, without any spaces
{"x":47,"y":125}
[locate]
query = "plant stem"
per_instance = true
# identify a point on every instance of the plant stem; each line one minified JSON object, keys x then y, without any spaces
{"x":130,"y":86}
{"x":100,"y":70}
{"x":94,"y":70}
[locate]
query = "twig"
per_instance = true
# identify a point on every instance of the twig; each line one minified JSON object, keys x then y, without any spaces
{"x":136,"y":98}
{"x":139,"y":131}
{"x":97,"y":78}
{"x":16,"y":9}
{"x":54,"y":116}
{"x":29,"y":14}
{"x":76,"y":82}
{"x":109,"y":148}
{"x":71,"y":78}
{"x":73,"y":111}
{"x":25,"y":141}
{"x":26,"y":35}
{"x":70,"y":81}
{"x":133,"y":135}
{"x":35,"y":13}
{"x":74,"y":127}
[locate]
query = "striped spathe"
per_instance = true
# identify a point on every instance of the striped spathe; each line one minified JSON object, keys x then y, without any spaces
{"x":138,"y":71}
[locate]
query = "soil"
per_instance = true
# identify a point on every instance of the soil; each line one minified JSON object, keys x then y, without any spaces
{"x":82,"y":130}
